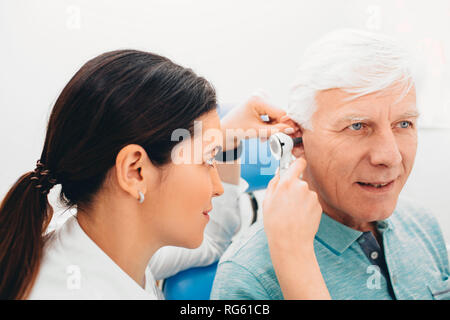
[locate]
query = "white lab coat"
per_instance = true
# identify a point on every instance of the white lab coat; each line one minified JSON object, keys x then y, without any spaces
{"x":74,"y":267}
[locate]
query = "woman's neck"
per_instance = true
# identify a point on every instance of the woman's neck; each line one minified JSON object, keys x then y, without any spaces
{"x":119,"y":235}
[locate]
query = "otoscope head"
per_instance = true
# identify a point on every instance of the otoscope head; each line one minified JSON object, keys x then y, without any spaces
{"x":281,"y":144}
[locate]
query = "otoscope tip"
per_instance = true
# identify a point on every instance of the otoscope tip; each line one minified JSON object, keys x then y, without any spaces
{"x":297,"y":140}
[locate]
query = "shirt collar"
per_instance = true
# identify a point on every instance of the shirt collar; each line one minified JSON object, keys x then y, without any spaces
{"x":339,"y":237}
{"x":386,"y":224}
{"x":335,"y":235}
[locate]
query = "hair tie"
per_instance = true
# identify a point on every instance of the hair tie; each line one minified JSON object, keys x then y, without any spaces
{"x":43,"y":178}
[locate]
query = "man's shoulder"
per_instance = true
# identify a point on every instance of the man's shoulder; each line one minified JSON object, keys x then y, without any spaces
{"x":250,"y":249}
{"x":245,"y":270}
{"x":413,"y":221}
{"x":412,"y":213}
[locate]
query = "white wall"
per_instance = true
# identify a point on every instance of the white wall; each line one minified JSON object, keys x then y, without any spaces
{"x":238,"y":45}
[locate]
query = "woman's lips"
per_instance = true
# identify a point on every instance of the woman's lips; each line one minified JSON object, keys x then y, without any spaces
{"x":205,"y":213}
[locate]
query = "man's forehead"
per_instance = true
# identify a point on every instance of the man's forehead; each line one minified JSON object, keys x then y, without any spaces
{"x":341,"y":104}
{"x":361,"y":116}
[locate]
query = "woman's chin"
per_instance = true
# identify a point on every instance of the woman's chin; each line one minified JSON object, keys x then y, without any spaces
{"x":191,"y":243}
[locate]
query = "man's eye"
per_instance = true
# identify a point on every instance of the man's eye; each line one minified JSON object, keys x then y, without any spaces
{"x":356,"y":126}
{"x":405,"y":124}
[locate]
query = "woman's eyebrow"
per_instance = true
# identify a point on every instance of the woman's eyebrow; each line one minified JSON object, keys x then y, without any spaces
{"x":216,"y":149}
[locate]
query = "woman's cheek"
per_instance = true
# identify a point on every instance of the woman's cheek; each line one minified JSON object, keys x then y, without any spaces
{"x":200,"y":193}
{"x":178,"y":198}
{"x":192,"y":190}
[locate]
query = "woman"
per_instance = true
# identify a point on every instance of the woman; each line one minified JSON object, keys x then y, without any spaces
{"x":110,"y":145}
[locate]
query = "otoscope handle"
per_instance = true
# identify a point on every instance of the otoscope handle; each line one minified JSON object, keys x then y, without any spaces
{"x":284,"y":164}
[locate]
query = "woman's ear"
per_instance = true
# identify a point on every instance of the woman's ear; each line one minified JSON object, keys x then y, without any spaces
{"x":298,"y":150}
{"x":131,"y":161}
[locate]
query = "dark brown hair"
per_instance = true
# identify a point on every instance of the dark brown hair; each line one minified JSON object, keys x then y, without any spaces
{"x":118,"y":98}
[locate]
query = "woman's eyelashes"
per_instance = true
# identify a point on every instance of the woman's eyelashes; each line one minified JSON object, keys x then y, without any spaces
{"x":211,"y":162}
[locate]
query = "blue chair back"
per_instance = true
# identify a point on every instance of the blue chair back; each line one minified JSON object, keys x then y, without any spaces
{"x":191,"y":284}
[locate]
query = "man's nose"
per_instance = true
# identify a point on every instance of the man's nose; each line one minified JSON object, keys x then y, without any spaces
{"x":217,"y":183}
{"x":384,"y":150}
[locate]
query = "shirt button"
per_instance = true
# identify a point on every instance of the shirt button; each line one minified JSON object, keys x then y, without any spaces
{"x":374,"y":255}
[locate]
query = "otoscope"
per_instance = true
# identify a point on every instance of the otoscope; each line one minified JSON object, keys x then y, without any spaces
{"x":281,"y":147}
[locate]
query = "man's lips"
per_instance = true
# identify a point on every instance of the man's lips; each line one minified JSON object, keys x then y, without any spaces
{"x":377,"y":186}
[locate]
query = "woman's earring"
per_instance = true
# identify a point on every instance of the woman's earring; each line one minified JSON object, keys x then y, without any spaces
{"x":141,"y":197}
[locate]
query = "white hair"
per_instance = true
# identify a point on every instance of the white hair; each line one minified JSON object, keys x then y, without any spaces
{"x":358,"y":62}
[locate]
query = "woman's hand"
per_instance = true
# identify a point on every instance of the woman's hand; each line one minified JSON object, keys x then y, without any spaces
{"x":291,"y":210}
{"x":292,"y":215}
{"x":245,"y":122}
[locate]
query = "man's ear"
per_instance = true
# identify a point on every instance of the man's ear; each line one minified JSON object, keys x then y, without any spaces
{"x":130,"y":163}
{"x":298,"y":150}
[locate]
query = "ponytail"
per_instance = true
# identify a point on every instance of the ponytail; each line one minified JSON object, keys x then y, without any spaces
{"x":24,"y":215}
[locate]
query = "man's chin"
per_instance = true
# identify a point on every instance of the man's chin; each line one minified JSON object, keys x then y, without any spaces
{"x":371,"y":212}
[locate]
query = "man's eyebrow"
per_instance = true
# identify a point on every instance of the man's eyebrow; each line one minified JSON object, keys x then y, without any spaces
{"x":359,"y":117}
{"x":410,"y":114}
{"x":354,"y":117}
{"x":351,"y":118}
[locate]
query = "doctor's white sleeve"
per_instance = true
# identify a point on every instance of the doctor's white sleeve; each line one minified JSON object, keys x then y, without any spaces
{"x":225,"y":221}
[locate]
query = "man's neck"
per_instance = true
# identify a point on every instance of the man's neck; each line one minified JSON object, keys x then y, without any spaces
{"x":350,"y":222}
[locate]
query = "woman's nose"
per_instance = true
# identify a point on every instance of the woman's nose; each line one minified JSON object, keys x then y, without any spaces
{"x":217,"y":183}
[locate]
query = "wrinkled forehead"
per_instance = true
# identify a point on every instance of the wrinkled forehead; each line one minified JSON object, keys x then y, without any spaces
{"x":391,"y":102}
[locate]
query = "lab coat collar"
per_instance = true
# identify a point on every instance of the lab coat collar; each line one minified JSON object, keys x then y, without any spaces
{"x":99,"y":273}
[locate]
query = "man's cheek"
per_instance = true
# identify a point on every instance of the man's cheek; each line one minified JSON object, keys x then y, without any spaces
{"x":408,"y":154}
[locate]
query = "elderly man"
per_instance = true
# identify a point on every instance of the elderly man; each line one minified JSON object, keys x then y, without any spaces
{"x":354,"y":103}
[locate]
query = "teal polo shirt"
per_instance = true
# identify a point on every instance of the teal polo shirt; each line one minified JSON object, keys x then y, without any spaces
{"x":411,"y":263}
